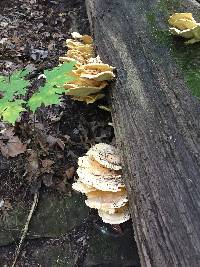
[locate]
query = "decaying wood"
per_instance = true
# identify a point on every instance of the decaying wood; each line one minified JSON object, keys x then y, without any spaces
{"x":157,"y":127}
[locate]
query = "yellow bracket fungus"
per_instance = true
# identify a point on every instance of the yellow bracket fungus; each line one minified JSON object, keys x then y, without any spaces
{"x":185,"y":26}
{"x":91,"y":74}
{"x":89,"y":99}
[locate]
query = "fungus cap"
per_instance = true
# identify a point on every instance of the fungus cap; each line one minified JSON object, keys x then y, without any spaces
{"x":95,"y":168}
{"x":106,"y":201}
{"x":94,"y":60}
{"x":182,"y":21}
{"x":98,"y":66}
{"x":97,"y":206}
{"x":78,"y":50}
{"x":120,"y":216}
{"x":85,"y":38}
{"x":184,"y":24}
{"x":102,"y":76}
{"x":83,"y":188}
{"x":100,"y":182}
{"x":89,"y":99}
{"x":185,"y":33}
{"x":83,"y":90}
{"x":176,"y":16}
{"x":95,"y":71}
{"x":192,"y":34}
{"x":77,"y":45}
{"x":106,"y":155}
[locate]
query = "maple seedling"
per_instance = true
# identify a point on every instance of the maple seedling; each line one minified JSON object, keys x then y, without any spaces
{"x":50,"y":93}
{"x":15,"y":85}
{"x":13,"y":88}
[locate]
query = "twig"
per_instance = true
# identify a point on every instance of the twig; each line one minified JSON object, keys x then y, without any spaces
{"x":25,"y":230}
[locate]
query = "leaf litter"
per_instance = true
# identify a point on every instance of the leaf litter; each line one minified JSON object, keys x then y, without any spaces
{"x":10,"y":144}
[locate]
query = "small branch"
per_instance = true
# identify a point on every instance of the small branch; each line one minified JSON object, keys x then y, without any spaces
{"x":25,"y":230}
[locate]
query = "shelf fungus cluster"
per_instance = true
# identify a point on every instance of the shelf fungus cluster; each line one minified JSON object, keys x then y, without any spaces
{"x":91,"y":74}
{"x":184,"y":25}
{"x":100,"y":180}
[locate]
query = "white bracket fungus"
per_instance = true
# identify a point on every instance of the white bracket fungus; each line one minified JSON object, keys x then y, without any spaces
{"x":100,"y":180}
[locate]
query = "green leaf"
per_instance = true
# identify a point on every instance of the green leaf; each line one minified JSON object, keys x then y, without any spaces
{"x":51,"y":92}
{"x":13,"y":85}
{"x":10,"y":111}
{"x":16,"y":85}
{"x":60,"y":75}
{"x":47,"y":96}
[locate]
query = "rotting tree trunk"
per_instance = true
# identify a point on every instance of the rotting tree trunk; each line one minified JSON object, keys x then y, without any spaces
{"x":156,"y":123}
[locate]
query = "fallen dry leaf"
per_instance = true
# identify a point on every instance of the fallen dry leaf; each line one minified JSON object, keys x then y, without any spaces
{"x":47,"y":141}
{"x":51,"y":140}
{"x":32,"y":167}
{"x":10,"y":145}
{"x":70,"y":173}
{"x":47,"y":163}
{"x":7,"y":205}
{"x":47,"y":179}
{"x":61,"y":186}
{"x":39,"y":168}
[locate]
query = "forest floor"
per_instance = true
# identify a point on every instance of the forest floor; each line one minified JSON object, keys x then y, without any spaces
{"x":63,"y":232}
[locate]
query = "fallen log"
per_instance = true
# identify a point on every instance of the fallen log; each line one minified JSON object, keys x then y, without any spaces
{"x":157,"y":127}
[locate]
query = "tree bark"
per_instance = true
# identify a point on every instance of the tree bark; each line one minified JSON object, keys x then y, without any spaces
{"x":157,"y":127}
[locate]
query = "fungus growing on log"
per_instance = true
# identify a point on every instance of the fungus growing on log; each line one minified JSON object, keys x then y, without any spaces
{"x":106,"y":200}
{"x":106,"y":155}
{"x":95,"y":71}
{"x":184,"y":25}
{"x":121,"y":215}
{"x":101,"y":181}
{"x":83,"y":188}
{"x":89,"y":99}
{"x":91,"y":74}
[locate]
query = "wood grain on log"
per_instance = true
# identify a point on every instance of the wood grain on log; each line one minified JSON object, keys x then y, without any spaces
{"x":157,"y":127}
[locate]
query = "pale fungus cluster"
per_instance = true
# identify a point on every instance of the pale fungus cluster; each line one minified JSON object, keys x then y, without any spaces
{"x":184,"y":25}
{"x":101,"y":181}
{"x":91,"y":74}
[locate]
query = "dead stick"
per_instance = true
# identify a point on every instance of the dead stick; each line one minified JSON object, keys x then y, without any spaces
{"x":18,"y":250}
